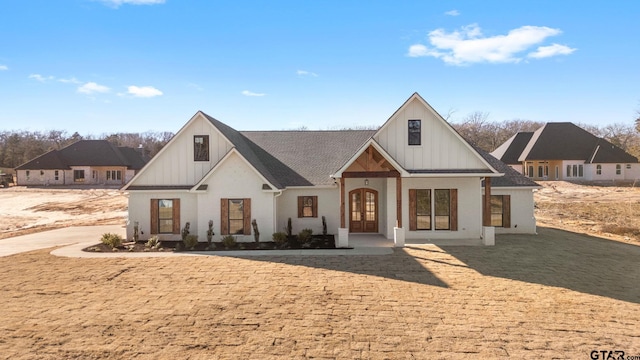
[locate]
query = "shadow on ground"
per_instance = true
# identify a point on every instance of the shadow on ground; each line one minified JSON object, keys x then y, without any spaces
{"x":560,"y":258}
{"x":397,"y":266}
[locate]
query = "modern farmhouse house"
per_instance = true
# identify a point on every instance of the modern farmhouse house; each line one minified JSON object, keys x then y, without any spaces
{"x":414,"y":178}
{"x":564,"y":151}
{"x":85,"y":162}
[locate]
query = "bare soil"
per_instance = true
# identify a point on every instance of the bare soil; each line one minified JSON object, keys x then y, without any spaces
{"x":27,"y":210}
{"x":605,"y":211}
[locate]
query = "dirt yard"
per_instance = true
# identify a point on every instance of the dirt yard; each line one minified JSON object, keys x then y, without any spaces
{"x":28,"y":210}
{"x":607,"y":211}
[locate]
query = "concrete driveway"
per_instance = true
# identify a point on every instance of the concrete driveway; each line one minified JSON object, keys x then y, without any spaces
{"x":59,"y":237}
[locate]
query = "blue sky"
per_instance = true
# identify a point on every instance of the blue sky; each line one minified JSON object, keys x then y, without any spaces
{"x":135,"y":65}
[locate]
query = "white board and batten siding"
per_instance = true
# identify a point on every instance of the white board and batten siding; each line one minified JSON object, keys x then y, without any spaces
{"x":174,"y":165}
{"x":140,"y":211}
{"x":469,"y":208}
{"x":235,"y":179}
{"x":522,"y":215}
{"x":328,"y":206}
{"x":440,"y":147}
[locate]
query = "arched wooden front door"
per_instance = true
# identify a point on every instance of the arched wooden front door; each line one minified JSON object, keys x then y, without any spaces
{"x":363,"y":210}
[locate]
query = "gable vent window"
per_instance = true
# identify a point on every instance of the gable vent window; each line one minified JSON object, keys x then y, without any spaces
{"x":201,"y":148}
{"x":415,"y":132}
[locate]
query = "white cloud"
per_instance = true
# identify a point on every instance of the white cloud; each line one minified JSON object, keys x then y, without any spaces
{"x":40,"y":78}
{"x":306,"y":73}
{"x":249,"y":93}
{"x":116,"y":3}
{"x":4,"y":67}
{"x":70,"y":81}
{"x":452,"y":13}
{"x":551,"y":50}
{"x":468,"y":45}
{"x":143,"y":91}
{"x":91,"y":88}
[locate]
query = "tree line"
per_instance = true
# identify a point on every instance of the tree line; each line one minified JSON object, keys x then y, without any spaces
{"x":18,"y":147}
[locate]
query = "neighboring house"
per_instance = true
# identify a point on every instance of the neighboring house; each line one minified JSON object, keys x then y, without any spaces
{"x":414,"y":177}
{"x":564,"y":151}
{"x":95,"y":162}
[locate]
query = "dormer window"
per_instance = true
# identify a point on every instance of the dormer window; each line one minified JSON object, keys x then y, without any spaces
{"x":415,"y":132}
{"x":201,"y":148}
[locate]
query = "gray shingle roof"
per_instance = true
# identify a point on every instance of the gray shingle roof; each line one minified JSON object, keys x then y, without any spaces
{"x":312,"y":155}
{"x":510,"y":151}
{"x":86,"y":153}
{"x":307,"y":158}
{"x":294,"y":158}
{"x":511,"y":177}
{"x":566,"y":141}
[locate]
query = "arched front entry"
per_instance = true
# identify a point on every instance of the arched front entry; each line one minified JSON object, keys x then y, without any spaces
{"x":363,"y":210}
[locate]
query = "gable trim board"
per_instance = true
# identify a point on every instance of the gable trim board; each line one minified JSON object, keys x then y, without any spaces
{"x":274,"y":180}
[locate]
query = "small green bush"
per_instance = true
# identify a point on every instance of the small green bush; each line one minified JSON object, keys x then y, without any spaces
{"x":229,"y":241}
{"x":113,"y":240}
{"x":279,"y":238}
{"x":153,"y":242}
{"x":304,"y":236}
{"x":190,"y":241}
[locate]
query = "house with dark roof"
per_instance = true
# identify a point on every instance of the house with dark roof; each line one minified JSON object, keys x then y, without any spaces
{"x":414,"y":179}
{"x":85,"y":162}
{"x":564,"y":151}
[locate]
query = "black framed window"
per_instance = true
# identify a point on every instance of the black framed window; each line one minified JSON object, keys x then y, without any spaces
{"x":165,"y":216}
{"x":236,"y":216}
{"x":423,"y":210}
{"x":78,"y":175}
{"x":201,"y":148}
{"x":415,"y":132}
{"x":442,"y":209}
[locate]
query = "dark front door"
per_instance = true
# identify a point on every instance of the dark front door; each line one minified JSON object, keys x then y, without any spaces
{"x":363,"y":210}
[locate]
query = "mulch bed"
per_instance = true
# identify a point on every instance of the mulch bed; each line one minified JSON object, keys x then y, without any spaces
{"x":317,"y":242}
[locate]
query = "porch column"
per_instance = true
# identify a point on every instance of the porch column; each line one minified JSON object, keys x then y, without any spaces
{"x":399,"y":202}
{"x":488,"y":231}
{"x":486,"y":208}
{"x":342,"y":221}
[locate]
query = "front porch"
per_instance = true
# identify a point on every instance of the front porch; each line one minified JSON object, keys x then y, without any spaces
{"x":378,"y":240}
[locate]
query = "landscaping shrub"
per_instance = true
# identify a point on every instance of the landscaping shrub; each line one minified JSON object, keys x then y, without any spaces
{"x":190,"y":241}
{"x":185,"y":231}
{"x":256,"y":233}
{"x":113,"y":240}
{"x":153,"y":242}
{"x":324,"y":226}
{"x":210,"y":233}
{"x":279,"y":238}
{"x":288,"y":228}
{"x":229,"y":241}
{"x":304,"y":236}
